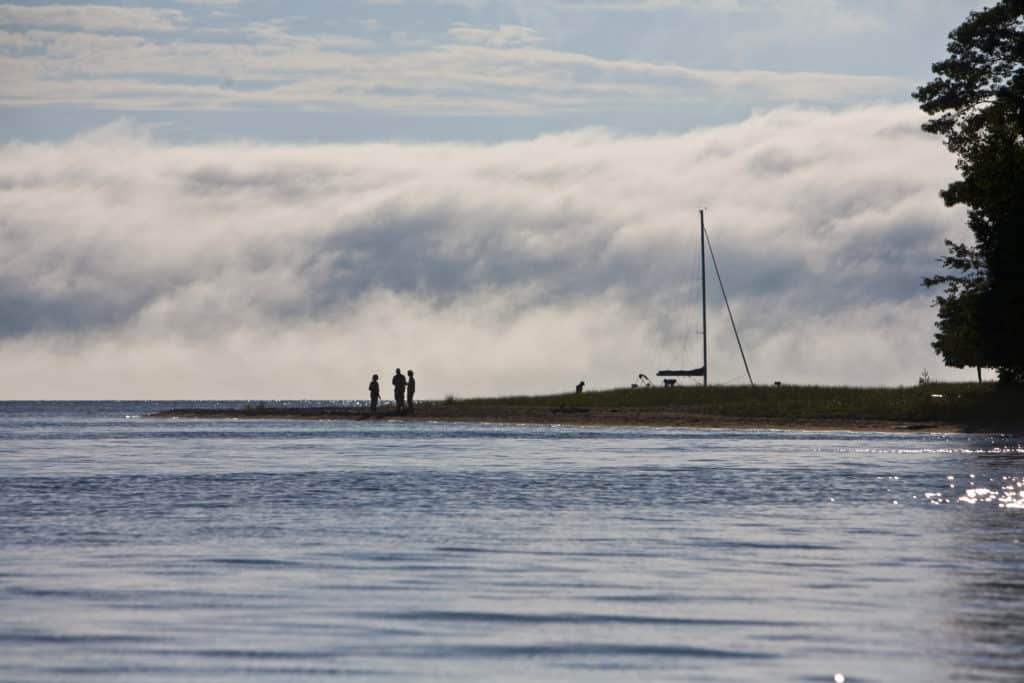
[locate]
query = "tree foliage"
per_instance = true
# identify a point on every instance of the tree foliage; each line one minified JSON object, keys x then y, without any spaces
{"x":976,"y":103}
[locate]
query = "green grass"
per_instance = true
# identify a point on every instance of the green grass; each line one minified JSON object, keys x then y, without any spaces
{"x":953,"y":403}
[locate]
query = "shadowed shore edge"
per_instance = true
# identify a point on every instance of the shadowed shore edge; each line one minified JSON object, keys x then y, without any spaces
{"x":590,"y":417}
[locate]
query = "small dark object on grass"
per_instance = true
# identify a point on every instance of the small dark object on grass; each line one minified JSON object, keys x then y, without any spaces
{"x":579,"y":387}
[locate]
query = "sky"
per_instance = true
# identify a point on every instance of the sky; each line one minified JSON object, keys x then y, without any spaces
{"x":258,"y":199}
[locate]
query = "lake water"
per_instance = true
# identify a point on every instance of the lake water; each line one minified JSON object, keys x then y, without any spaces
{"x":141,"y":550}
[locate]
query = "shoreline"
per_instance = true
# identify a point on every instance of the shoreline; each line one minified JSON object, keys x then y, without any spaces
{"x":620,"y":416}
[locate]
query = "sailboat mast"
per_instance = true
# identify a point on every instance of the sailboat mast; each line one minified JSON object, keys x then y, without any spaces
{"x":703,"y":299}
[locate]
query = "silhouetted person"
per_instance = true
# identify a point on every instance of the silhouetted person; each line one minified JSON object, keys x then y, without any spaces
{"x":579,"y":387}
{"x":410,"y":389}
{"x":374,"y":394}
{"x":398,"y":381}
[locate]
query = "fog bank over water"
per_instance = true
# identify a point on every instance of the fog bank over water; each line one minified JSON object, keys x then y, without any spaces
{"x":136,"y":268}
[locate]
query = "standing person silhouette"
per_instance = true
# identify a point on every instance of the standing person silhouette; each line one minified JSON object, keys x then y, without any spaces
{"x":374,"y":395}
{"x":410,"y":389}
{"x":398,"y":381}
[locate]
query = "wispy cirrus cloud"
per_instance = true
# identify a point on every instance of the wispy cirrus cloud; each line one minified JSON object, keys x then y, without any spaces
{"x":93,"y":18}
{"x":136,"y":268}
{"x":428,"y":68}
{"x":211,"y":3}
{"x":484,"y":71}
{"x":503,"y":36}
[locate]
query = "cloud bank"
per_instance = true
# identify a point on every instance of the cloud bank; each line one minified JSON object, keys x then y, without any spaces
{"x":134,"y":268}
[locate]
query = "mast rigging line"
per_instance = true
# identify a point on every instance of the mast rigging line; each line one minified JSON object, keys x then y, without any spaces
{"x":732,"y":320}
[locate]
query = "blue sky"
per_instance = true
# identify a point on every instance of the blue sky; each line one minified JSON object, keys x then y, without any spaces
{"x":452,"y":69}
{"x":256,"y":199}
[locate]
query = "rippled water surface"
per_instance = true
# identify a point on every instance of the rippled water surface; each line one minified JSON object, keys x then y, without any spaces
{"x":136,"y":549}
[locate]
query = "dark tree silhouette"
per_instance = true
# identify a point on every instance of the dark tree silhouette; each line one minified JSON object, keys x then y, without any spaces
{"x":976,"y":103}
